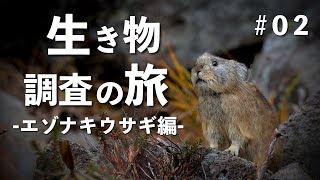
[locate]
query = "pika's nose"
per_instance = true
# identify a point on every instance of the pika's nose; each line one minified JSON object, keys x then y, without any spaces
{"x":198,"y":73}
{"x":197,"y":69}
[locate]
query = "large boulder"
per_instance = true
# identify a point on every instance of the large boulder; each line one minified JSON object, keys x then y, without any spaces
{"x":17,"y":155}
{"x":301,"y":137}
{"x":288,"y":69}
{"x":64,"y":158}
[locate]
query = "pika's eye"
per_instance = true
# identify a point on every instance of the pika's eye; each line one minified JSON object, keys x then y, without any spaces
{"x":214,"y":63}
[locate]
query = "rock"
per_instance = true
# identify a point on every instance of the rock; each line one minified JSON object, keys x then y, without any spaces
{"x":223,"y":166}
{"x":292,"y":171}
{"x":52,"y":163}
{"x":283,"y":61}
{"x":301,"y":137}
{"x":18,"y":155}
{"x":17,"y":148}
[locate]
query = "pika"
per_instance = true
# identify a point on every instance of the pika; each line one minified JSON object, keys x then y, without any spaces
{"x":235,"y":116}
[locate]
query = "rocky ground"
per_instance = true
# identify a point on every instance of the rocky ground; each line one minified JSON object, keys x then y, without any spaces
{"x":286,"y":69}
{"x":159,"y":159}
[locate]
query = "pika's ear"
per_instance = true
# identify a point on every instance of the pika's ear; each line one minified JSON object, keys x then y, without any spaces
{"x":249,"y":75}
{"x":242,"y":71}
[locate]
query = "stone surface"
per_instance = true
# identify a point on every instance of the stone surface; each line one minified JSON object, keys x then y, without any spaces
{"x":17,"y":156}
{"x":301,"y":137}
{"x":222,"y":166}
{"x":284,"y":60}
{"x":292,"y":171}
{"x":52,"y":163}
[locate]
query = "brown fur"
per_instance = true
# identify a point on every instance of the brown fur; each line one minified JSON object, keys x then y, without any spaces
{"x":235,"y":116}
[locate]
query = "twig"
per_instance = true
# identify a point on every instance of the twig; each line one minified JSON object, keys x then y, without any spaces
{"x":204,"y":172}
{"x":162,"y":144}
{"x":264,"y":166}
{"x":3,"y":131}
{"x":144,"y":171}
{"x":124,"y":112}
{"x":166,"y":146}
{"x":176,"y":146}
{"x":150,"y":168}
{"x":150,"y":153}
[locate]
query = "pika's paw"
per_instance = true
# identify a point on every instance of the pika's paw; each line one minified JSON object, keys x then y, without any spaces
{"x":233,"y":149}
